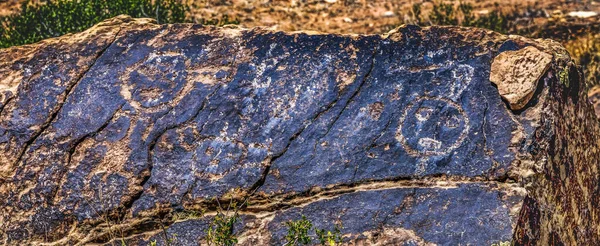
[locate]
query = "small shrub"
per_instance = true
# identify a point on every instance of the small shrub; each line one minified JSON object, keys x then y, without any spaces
{"x":585,"y":51}
{"x":467,"y":11}
{"x":416,"y":13}
{"x":299,"y":233}
{"x":494,"y":21}
{"x":328,"y":237}
{"x":443,"y":14}
{"x":54,"y":18}
{"x":220,"y":232}
{"x":224,"y":20}
{"x":462,"y":14}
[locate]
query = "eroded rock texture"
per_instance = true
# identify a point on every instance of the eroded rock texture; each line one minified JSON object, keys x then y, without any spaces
{"x":401,"y":139}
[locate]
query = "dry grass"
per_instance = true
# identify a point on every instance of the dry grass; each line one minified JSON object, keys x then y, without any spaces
{"x":586,"y":52}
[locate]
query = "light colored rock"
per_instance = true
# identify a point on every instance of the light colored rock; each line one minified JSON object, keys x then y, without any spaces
{"x":583,"y":14}
{"x":516,"y":73}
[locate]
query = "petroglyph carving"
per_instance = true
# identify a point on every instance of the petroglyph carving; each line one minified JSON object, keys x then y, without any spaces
{"x":156,"y":80}
{"x":432,"y":126}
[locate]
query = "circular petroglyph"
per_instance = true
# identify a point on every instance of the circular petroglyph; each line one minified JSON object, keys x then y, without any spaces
{"x":432,"y":126}
{"x":156,"y":80}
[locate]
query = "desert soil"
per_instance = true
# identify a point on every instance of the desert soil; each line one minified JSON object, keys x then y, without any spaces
{"x":353,"y":16}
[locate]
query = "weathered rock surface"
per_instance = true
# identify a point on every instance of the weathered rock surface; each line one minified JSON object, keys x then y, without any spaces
{"x":401,"y":138}
{"x":516,"y":74}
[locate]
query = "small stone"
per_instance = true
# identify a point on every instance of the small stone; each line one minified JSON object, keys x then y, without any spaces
{"x":388,"y":14}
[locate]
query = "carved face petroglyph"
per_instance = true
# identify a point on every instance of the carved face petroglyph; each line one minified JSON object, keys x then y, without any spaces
{"x":432,"y":126}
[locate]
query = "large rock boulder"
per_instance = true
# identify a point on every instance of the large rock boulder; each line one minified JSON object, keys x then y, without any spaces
{"x":138,"y":133}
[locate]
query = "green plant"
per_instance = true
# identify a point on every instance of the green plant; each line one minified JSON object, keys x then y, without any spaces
{"x":224,"y":20}
{"x":467,"y":12}
{"x":57,"y":17}
{"x":443,"y":14}
{"x":299,"y":233}
{"x":586,"y":52}
{"x":494,"y":20}
{"x":462,"y":14}
{"x":505,"y":243}
{"x":187,"y":215}
{"x":416,"y":13}
{"x":563,"y":76}
{"x":220,"y":231}
{"x":328,"y":237}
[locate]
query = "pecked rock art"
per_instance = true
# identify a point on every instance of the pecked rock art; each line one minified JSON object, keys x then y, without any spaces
{"x":427,"y":112}
{"x":408,"y":138}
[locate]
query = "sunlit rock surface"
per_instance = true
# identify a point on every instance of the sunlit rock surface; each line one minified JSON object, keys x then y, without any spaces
{"x":400,"y":139}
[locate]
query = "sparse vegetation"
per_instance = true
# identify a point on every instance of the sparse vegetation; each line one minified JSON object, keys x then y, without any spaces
{"x":225,"y":20}
{"x":57,"y":17}
{"x":220,"y":232}
{"x":462,"y":14}
{"x":221,"y":229}
{"x":187,"y":215}
{"x":299,"y":233}
{"x":585,"y":51}
{"x":328,"y":237}
{"x":114,"y":232}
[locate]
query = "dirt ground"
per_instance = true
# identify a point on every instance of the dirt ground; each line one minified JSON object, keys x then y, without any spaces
{"x":362,"y":16}
{"x":356,"y":16}
{"x":8,"y":6}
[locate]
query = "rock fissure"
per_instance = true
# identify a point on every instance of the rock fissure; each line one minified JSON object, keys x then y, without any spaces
{"x":263,"y":207}
{"x":152,"y":145}
{"x":62,"y":102}
{"x":344,"y":106}
{"x":73,"y":149}
{"x":5,"y":103}
{"x":261,"y":181}
{"x":356,"y":92}
{"x":281,"y":202}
